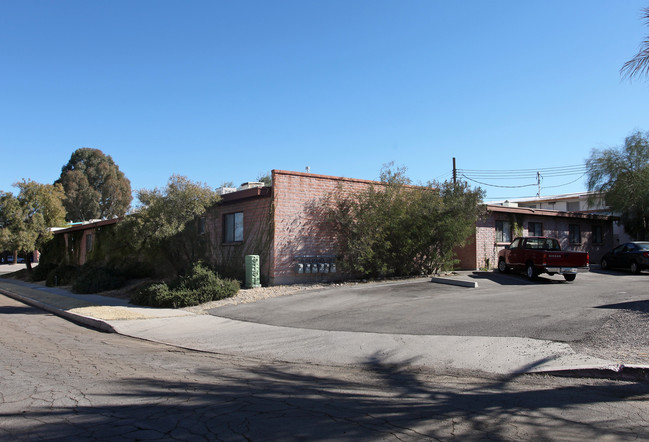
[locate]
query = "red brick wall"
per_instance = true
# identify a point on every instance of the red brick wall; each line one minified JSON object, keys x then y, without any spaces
{"x":299,"y":199}
{"x":553,"y":226}
{"x":257,"y":221}
{"x":467,"y":255}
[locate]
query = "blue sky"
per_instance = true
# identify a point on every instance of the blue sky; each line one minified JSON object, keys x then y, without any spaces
{"x":227,"y":90}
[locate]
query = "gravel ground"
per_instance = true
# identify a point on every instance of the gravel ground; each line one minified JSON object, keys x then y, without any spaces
{"x":624,"y":337}
{"x":246,"y":296}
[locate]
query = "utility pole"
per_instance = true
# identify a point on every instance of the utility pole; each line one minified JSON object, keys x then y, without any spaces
{"x":538,"y":184}
{"x":454,"y":172}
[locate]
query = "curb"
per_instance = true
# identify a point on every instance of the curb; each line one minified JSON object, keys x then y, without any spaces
{"x":630,"y":373}
{"x":96,"y":324}
{"x":457,"y":282}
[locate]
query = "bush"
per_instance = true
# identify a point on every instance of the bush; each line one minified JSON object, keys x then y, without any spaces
{"x":61,"y":275}
{"x":198,"y":286}
{"x":40,"y":272}
{"x":93,"y":279}
{"x":152,"y":294}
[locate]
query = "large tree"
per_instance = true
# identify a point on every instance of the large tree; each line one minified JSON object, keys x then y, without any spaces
{"x":621,"y":174}
{"x":639,"y":64}
{"x":94,"y":186}
{"x":157,"y":225}
{"x":395,"y":228}
{"x":25,"y":219}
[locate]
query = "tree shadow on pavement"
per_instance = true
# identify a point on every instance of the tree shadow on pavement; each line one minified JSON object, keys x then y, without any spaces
{"x":276,"y":401}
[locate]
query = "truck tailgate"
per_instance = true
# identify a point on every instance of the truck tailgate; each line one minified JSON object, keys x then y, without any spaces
{"x":567,"y":259}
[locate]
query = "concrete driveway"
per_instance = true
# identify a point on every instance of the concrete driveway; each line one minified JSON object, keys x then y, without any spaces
{"x":504,"y":305}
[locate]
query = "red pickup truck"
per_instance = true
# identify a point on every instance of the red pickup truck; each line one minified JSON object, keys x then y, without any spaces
{"x":538,"y":254}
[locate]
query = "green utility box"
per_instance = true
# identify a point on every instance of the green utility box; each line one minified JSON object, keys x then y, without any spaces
{"x":252,"y":271}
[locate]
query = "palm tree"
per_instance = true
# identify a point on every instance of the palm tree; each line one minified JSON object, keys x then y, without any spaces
{"x":639,"y":64}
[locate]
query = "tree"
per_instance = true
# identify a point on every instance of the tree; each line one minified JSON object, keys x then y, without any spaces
{"x":265,"y":178}
{"x":94,"y":186}
{"x":639,"y":64}
{"x":25,"y":219}
{"x":164,"y":214}
{"x":621,"y":174}
{"x":398,"y":229}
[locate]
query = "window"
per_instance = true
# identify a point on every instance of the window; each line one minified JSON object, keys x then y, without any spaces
{"x":201,"y":225}
{"x":503,"y":231}
{"x":573,"y":206}
{"x":597,"y":235}
{"x":574,"y":234}
{"x":535,"y":229}
{"x":88,"y":243}
{"x":233,"y":227}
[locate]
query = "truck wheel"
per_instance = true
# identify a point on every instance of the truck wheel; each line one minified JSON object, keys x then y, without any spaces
{"x":570,"y":277}
{"x":530,"y":271}
{"x":502,"y":266}
{"x":635,"y":268}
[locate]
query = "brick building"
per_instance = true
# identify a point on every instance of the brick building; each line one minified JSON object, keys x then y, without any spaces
{"x":79,"y":239}
{"x":576,"y":231}
{"x":282,"y":224}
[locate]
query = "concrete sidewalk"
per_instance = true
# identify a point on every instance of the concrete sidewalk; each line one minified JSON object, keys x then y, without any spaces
{"x":456,"y":354}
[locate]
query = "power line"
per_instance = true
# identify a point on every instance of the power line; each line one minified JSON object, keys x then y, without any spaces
{"x":496,"y":185}
{"x":489,"y":178}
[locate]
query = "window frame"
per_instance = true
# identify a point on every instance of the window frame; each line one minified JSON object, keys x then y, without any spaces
{"x":233,"y":231}
{"x":571,"y":233}
{"x":533,"y":233}
{"x":501,"y":233}
{"x":201,"y":227}
{"x":89,"y":242}
{"x":597,"y":234}
{"x":573,"y":206}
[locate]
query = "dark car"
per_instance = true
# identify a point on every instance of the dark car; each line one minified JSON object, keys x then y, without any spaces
{"x":631,"y":255}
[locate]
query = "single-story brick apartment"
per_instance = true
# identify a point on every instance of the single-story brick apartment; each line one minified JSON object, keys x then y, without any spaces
{"x":576,"y":231}
{"x":282,"y":225}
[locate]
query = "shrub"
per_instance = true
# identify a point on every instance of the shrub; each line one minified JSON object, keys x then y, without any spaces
{"x":40,"y":272}
{"x":395,"y":229}
{"x":198,"y":286}
{"x":152,"y":294}
{"x":93,"y":279}
{"x":61,"y":275}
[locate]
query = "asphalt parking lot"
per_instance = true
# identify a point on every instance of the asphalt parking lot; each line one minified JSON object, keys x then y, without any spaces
{"x":502,"y":305}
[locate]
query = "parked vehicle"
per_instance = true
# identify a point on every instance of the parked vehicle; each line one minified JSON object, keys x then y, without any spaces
{"x":539,"y":254}
{"x":631,"y":255}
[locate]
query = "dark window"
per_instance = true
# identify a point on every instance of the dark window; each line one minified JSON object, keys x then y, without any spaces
{"x":574,"y":234}
{"x":503,"y":231}
{"x":201,"y":225}
{"x":88,"y":243}
{"x":233,"y":227}
{"x":598,"y":238}
{"x":573,"y":206}
{"x":535,"y":229}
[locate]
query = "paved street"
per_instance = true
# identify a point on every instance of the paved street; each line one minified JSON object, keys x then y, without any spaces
{"x":61,"y":381}
{"x":579,"y":313}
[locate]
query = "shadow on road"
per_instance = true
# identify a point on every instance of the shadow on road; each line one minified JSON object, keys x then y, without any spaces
{"x":280,"y":402}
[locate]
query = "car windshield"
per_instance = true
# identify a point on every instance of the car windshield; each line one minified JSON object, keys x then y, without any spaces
{"x":542,"y":244}
{"x":643,"y":246}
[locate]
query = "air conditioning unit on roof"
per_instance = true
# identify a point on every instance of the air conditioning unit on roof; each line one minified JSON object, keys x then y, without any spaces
{"x":251,"y":185}
{"x":224,"y":190}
